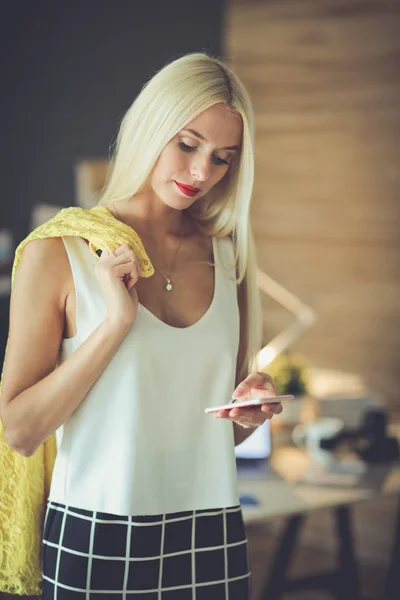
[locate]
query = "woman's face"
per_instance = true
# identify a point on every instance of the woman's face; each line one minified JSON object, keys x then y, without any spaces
{"x":198,"y":156}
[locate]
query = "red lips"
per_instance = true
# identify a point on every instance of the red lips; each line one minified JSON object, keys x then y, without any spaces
{"x":188,"y":190}
{"x":188,"y":187}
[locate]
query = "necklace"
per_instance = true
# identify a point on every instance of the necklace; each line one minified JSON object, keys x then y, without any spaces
{"x":168,"y":282}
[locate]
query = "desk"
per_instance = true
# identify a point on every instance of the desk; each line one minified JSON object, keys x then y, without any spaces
{"x":280,"y":496}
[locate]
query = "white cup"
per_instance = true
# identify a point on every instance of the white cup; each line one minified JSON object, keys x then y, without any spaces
{"x":309,"y":436}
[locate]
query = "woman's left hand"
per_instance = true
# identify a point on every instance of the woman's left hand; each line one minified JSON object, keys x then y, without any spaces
{"x":256,"y":385}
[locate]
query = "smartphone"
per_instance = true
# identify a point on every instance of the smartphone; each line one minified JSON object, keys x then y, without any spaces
{"x":251,"y":402}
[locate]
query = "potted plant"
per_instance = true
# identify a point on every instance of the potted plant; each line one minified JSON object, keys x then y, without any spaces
{"x":291,"y":376}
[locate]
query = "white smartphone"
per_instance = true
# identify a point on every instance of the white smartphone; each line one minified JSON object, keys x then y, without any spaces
{"x":251,"y":402}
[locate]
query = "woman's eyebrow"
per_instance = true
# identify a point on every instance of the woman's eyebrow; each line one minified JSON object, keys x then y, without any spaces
{"x":197,"y":134}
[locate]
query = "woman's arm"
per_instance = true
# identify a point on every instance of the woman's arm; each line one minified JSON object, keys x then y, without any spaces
{"x":250,"y":383}
{"x":36,"y":396}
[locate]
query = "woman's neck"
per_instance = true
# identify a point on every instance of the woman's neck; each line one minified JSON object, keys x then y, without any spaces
{"x":151,"y":226}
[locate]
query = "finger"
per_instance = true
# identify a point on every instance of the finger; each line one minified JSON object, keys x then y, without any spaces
{"x":105,"y":252}
{"x":245,"y":416}
{"x":121,"y":249}
{"x":138,"y":263}
{"x":275,"y":408}
{"x":121,"y":256}
{"x":268,"y":384}
{"x":222,"y":414}
{"x":249,"y":411}
{"x":124,"y":268}
{"x":267,"y":391}
{"x":244,"y":388}
{"x":249,"y":416}
{"x":253,"y":381}
{"x":131,"y":271}
{"x":258,"y":419}
{"x":131,"y":257}
{"x":130,"y":282}
{"x":242,"y":420}
{"x":132,"y":278}
{"x":124,"y":259}
{"x":242,"y":392}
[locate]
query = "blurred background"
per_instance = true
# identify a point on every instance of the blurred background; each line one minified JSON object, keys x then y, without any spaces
{"x":324,"y":79}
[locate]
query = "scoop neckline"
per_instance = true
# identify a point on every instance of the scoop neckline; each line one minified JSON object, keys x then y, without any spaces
{"x":210,"y":308}
{"x":145,"y":310}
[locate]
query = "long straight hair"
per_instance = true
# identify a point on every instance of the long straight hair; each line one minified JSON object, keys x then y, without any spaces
{"x":172,"y":98}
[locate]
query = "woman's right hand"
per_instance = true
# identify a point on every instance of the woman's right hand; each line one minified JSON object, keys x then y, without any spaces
{"x":117,"y":276}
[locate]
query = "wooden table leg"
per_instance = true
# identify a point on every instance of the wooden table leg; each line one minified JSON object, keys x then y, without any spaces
{"x":348,"y":583}
{"x":342,"y":581}
{"x":277,"y":581}
{"x":392,"y":591}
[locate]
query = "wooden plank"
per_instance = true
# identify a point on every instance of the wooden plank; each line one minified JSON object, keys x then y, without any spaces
{"x":325,"y":85}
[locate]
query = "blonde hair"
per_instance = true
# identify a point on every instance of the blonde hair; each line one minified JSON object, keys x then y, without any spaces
{"x":172,"y":98}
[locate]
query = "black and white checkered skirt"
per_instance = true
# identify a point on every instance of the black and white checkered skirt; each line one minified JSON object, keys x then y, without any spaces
{"x":193,"y":555}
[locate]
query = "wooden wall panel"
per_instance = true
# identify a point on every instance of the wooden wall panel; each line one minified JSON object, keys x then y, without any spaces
{"x":324,"y":78}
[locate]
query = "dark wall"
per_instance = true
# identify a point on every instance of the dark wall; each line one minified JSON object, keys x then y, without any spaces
{"x":69,"y":70}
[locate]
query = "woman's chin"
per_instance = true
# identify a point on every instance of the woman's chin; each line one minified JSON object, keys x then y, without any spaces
{"x":178,"y":201}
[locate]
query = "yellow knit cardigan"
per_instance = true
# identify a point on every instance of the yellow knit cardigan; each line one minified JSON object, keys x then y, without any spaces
{"x":25,"y":482}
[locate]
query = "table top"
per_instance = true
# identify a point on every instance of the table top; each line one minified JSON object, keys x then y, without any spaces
{"x":280,"y":494}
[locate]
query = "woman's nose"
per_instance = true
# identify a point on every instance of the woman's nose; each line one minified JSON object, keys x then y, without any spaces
{"x":200,"y":170}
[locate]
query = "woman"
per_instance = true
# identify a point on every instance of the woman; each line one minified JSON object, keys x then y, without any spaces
{"x":143,"y":497}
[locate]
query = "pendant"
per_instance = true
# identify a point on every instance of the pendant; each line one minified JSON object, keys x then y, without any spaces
{"x":168,"y":285}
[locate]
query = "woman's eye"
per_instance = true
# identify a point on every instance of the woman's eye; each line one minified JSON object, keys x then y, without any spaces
{"x":185,"y":147}
{"x":216,"y":159}
{"x":220,"y":161}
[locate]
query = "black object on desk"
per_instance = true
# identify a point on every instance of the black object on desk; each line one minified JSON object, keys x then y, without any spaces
{"x":370,"y":440}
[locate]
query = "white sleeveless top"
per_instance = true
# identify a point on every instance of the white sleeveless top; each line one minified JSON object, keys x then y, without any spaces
{"x":140,"y":441}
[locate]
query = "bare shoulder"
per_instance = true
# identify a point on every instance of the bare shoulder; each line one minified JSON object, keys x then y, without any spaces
{"x":45,"y":250}
{"x":47,"y":260}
